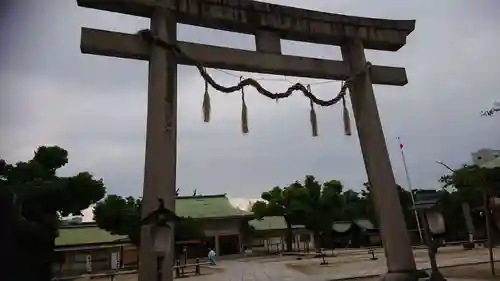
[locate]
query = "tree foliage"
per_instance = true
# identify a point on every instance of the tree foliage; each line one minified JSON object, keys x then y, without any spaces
{"x":122,"y":215}
{"x":493,"y":110}
{"x":313,"y":204}
{"x":318,"y":205}
{"x":471,"y":180}
{"x":468,"y":185}
{"x":279,"y":202}
{"x":42,"y":197}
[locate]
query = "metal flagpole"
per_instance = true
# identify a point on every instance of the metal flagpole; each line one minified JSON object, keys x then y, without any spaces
{"x":411,"y":190}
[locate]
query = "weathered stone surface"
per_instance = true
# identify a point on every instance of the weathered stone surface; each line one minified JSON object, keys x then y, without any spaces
{"x":161,"y":149}
{"x":290,"y":23}
{"x":267,"y":42}
{"x":106,"y":43}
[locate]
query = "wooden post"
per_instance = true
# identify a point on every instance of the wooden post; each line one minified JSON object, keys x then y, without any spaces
{"x":487,"y":218}
{"x":161,"y":136}
{"x":197,"y":269}
{"x":177,"y":269}
{"x":394,"y":234}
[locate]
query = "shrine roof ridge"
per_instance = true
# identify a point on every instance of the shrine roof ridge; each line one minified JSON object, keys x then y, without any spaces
{"x":201,"y":196}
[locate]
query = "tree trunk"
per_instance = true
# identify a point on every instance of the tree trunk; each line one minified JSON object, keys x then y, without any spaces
{"x":49,"y":259}
{"x":468,"y":221}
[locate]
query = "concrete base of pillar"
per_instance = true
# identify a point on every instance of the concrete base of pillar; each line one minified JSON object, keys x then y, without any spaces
{"x":405,"y":276}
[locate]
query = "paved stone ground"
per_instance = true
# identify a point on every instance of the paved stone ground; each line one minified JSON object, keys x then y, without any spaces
{"x":347,"y":264}
{"x":255,"y":271}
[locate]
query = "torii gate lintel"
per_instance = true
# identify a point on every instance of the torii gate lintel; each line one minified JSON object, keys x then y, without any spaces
{"x":290,"y":23}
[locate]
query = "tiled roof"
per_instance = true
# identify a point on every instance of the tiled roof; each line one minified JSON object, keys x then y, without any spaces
{"x":344,"y":226}
{"x":341,"y":227}
{"x":212,"y":206}
{"x":365,"y":224}
{"x":85,"y":234}
{"x":271,"y":223}
{"x":196,"y":207}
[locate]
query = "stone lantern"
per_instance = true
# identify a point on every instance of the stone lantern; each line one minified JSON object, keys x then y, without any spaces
{"x":161,"y":221}
{"x":433,"y":222}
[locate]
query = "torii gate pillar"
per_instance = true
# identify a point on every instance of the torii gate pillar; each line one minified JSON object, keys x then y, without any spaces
{"x":395,"y":238}
{"x":161,"y":149}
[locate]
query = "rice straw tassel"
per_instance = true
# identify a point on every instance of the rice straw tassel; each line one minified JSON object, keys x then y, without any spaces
{"x":346,"y":118}
{"x":244,"y":112}
{"x":312,"y":115}
{"x":206,"y":104}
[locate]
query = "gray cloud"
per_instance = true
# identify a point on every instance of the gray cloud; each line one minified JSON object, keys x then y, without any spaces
{"x":96,"y":107}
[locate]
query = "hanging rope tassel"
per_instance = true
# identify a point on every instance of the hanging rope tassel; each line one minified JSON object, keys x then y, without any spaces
{"x":346,"y":118}
{"x":313,"y":118}
{"x":244,"y":112}
{"x":206,"y":104}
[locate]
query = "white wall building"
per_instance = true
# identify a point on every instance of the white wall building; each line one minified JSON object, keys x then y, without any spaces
{"x":487,"y":158}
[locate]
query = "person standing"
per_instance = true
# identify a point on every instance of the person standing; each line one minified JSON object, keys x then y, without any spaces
{"x":211,"y":256}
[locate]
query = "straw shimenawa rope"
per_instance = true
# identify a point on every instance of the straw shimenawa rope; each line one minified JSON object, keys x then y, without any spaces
{"x":147,"y":35}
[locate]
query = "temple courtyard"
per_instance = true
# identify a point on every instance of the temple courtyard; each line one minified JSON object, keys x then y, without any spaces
{"x":455,"y":263}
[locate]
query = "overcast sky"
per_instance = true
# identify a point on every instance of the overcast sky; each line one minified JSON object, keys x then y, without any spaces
{"x":95,"y":107}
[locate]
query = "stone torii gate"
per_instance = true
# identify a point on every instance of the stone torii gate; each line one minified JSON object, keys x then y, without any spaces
{"x":268,"y":23}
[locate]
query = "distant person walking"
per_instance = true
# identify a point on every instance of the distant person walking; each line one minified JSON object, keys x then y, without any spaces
{"x":211,"y":256}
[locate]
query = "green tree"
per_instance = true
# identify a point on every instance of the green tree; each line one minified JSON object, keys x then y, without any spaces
{"x":454,"y":217}
{"x":41,"y":198}
{"x":311,"y":204}
{"x":280,"y":202}
{"x":470,"y":184}
{"x":320,"y":205}
{"x":122,"y":215}
{"x":367,"y":205}
{"x":354,"y":205}
{"x":471,"y":180}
